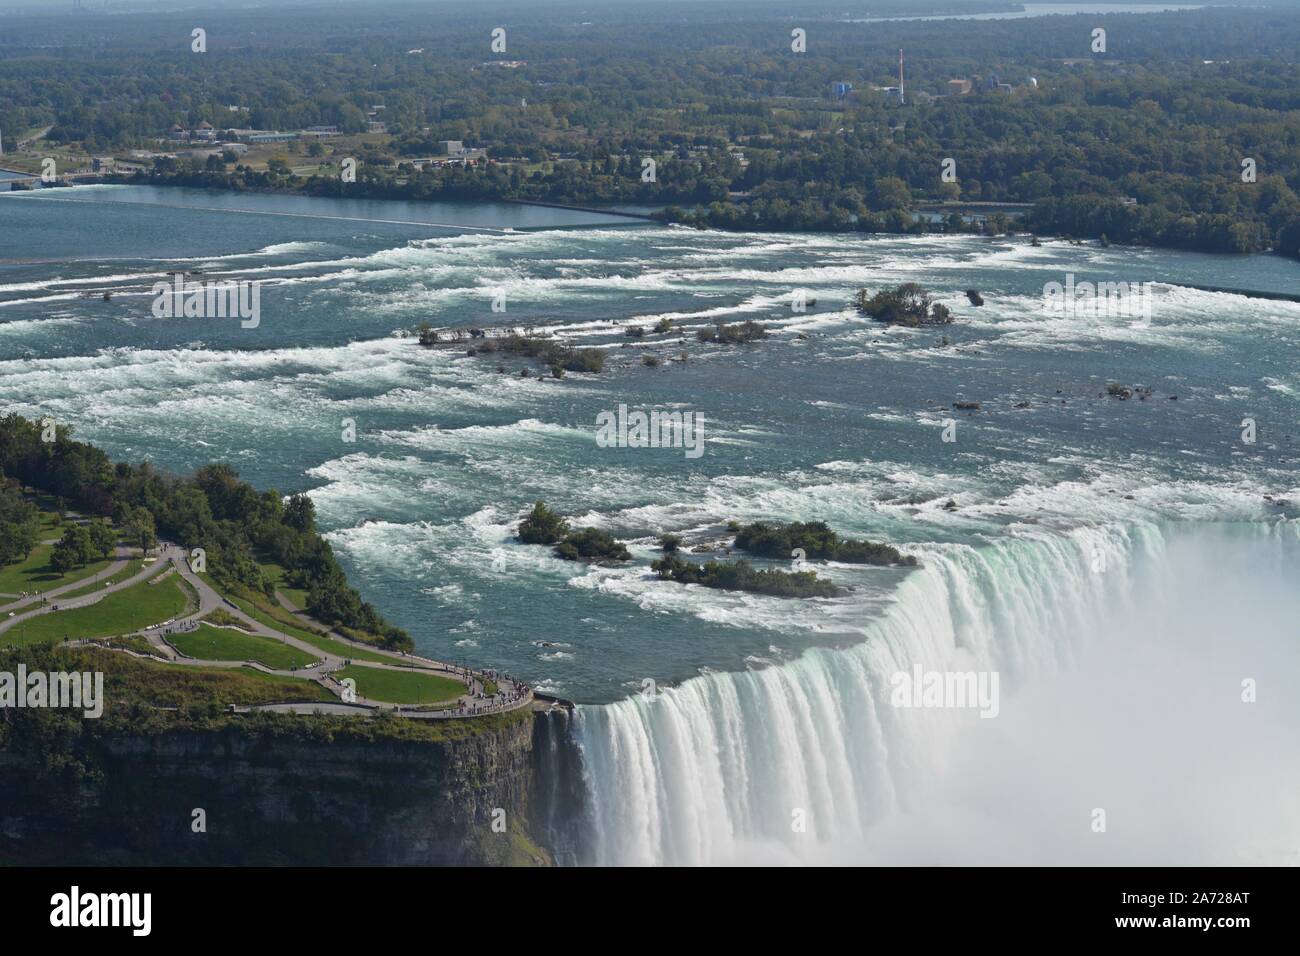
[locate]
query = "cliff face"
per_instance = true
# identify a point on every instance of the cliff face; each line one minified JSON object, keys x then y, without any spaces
{"x":280,"y":800}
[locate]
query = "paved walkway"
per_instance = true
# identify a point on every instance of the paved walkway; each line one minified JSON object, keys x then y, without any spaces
{"x":121,"y":557}
{"x":48,"y":602}
{"x":510,"y":694}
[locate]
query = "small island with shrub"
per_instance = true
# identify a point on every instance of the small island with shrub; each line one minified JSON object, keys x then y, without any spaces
{"x":738,"y":333}
{"x":817,"y":541}
{"x":908,"y":304}
{"x":743,"y":576}
{"x":544,"y":526}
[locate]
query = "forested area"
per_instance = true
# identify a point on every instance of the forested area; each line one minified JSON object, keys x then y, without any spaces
{"x":1142,"y":143}
{"x":236,"y":526}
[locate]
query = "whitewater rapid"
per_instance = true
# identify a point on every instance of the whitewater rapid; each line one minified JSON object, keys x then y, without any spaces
{"x":722,"y":768}
{"x":772,"y":708}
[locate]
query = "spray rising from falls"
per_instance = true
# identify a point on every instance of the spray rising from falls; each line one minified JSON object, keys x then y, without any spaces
{"x":810,"y":762}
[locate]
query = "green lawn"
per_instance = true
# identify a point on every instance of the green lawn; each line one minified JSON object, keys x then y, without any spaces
{"x":350,"y":651}
{"x":35,"y":573}
{"x":401,"y":687}
{"x":280,"y":621}
{"x":275,"y":574}
{"x":51,"y":523}
{"x":122,"y":612}
{"x":223,"y":644}
{"x":261,"y":609}
{"x":238,"y":685}
{"x":132,"y":568}
{"x":290,"y":688}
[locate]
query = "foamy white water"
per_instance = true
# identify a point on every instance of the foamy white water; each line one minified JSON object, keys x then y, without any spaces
{"x":721,"y":768}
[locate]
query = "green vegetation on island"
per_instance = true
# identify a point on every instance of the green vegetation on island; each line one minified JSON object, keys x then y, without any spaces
{"x":768,"y":540}
{"x":743,"y":576}
{"x":738,"y":333}
{"x":555,"y":355}
{"x":908,"y":304}
{"x":544,"y":526}
{"x":817,"y":541}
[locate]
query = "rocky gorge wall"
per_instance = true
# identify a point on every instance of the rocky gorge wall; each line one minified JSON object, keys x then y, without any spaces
{"x":286,"y":799}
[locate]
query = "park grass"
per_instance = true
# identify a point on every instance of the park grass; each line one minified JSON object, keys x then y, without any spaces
{"x":220,"y":617}
{"x":268,"y":613}
{"x":175,"y":684}
{"x":134,"y":643}
{"x":50,"y":524}
{"x":350,"y":651}
{"x":401,"y":687}
{"x":276,"y":575}
{"x":263,"y":614}
{"x":208,"y":643}
{"x":35,"y":574}
{"x":121,"y":612}
{"x":132,"y":568}
{"x":298,"y":688}
{"x":279,"y":619}
{"x":354,"y":634}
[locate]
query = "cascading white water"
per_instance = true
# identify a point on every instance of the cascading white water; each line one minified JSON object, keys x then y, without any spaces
{"x":715,"y":770}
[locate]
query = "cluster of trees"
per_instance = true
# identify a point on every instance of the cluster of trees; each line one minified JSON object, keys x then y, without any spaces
{"x":82,"y":544}
{"x":19,"y":525}
{"x":212,"y":509}
{"x":744,"y":133}
{"x":743,"y":576}
{"x":907,"y":304}
{"x":816,"y":540}
{"x":544,"y":526}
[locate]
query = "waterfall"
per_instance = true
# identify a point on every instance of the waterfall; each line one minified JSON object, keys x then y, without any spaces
{"x":558,"y":798}
{"x":762,"y":765}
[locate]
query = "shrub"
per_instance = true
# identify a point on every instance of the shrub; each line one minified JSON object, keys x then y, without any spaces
{"x":908,"y":304}
{"x":742,"y":576}
{"x":817,"y":541}
{"x":591,"y":544}
{"x":542,"y":526}
{"x":736,"y":334}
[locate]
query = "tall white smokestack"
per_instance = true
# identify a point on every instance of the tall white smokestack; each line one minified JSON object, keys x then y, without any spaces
{"x":901,"y":98}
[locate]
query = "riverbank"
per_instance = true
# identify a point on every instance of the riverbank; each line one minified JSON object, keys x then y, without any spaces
{"x":1105,"y":219}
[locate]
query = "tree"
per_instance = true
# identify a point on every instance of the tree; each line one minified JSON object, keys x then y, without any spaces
{"x":102,"y":537}
{"x":542,"y":526}
{"x":891,"y":193}
{"x":75,"y":549}
{"x":300,"y":513}
{"x":141,"y":529}
{"x":907,"y":304}
{"x":17,"y":538}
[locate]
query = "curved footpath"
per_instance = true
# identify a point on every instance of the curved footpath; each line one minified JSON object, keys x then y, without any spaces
{"x":510,"y":695}
{"x":121,"y":558}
